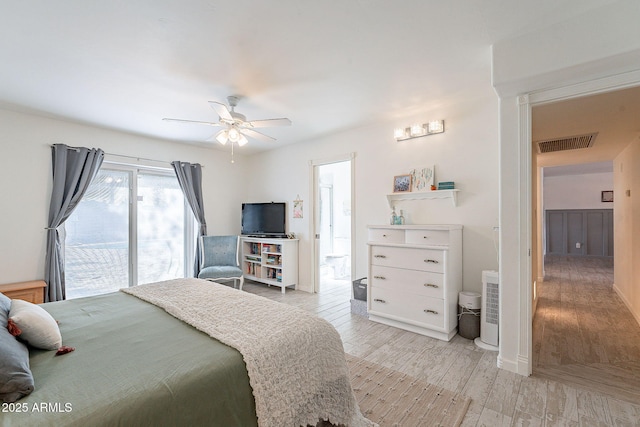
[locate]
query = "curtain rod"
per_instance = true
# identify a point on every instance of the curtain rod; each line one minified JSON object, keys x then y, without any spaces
{"x":137,"y":158}
{"x":125,"y":156}
{"x":142,"y":158}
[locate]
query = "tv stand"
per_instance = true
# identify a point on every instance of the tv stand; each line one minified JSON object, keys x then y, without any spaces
{"x":273,"y":261}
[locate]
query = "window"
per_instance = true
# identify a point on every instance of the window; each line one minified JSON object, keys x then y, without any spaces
{"x":131,"y":227}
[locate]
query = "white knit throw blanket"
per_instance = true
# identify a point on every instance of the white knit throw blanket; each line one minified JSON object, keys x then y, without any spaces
{"x":295,"y":360}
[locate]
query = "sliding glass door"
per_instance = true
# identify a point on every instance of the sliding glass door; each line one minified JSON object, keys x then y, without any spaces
{"x":131,"y":228}
{"x":96,"y":249}
{"x":161,"y":228}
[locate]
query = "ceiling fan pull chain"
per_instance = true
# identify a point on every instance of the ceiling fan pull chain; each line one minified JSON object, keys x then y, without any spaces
{"x":232,"y":161}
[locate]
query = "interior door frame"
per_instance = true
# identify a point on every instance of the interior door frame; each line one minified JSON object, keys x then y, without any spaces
{"x":527,"y":175}
{"x":314,"y":210}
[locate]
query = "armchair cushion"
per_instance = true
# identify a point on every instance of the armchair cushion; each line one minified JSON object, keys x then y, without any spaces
{"x":217,"y":272}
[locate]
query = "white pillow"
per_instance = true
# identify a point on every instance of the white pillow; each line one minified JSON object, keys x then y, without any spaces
{"x":38,"y":328}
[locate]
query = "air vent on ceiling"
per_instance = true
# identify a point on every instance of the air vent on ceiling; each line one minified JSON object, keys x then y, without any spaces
{"x":568,"y":143}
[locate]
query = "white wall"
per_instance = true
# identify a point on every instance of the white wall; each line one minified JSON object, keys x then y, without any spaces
{"x":627,"y":219}
{"x":466,"y":153}
{"x":25,"y":182}
{"x":577,"y":191}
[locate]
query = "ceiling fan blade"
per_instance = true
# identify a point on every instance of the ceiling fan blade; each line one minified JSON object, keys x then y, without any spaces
{"x":268,"y":123}
{"x":222,"y":110}
{"x":191,"y":121}
{"x":257,"y":135}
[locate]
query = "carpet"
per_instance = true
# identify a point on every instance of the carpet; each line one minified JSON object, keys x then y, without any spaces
{"x":391,"y":398}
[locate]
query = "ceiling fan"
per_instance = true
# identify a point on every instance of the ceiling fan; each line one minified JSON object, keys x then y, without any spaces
{"x":235,"y":126}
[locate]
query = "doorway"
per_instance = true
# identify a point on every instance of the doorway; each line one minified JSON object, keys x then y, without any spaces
{"x":576,"y":334}
{"x":333,"y":226}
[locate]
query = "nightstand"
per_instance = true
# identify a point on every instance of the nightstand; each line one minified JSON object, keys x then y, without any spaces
{"x":32,"y":291}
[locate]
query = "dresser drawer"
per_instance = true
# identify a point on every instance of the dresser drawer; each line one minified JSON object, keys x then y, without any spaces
{"x":424,"y":283}
{"x":414,"y":308}
{"x":386,"y":235}
{"x":427,"y":237}
{"x":411,"y":258}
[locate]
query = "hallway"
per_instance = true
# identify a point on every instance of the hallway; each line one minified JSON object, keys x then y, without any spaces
{"x":583,"y":334}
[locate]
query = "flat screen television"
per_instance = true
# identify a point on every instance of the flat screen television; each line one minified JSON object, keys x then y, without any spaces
{"x":264,"y":219}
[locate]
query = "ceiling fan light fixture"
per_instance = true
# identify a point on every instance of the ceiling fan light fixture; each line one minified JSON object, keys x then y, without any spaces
{"x":233,"y":134}
{"x":222,"y":137}
{"x":235,"y":126}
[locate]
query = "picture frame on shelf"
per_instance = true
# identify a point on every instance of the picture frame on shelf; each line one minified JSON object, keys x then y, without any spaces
{"x":422,"y":179}
{"x":606,"y":196}
{"x":402,"y":183}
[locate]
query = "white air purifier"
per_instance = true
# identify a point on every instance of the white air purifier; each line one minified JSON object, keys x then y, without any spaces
{"x":489,"y":331}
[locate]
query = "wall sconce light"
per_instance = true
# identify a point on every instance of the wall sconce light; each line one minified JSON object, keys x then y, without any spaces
{"x":418,"y":130}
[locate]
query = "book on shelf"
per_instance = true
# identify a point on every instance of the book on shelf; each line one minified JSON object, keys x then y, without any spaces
{"x":446,"y":185}
{"x":271,"y":248}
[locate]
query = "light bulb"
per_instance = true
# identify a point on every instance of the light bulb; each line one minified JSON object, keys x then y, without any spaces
{"x":417,"y":130}
{"x":436,"y":126}
{"x":234,"y":135}
{"x":399,"y":133}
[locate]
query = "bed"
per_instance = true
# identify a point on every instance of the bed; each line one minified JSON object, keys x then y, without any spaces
{"x":187,"y":352}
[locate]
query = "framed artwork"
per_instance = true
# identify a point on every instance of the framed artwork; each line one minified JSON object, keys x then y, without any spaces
{"x":401,"y":183}
{"x":606,"y":196}
{"x":297,"y":208}
{"x":422,"y":179}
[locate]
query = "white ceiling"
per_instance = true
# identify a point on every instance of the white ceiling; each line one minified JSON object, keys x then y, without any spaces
{"x":327,"y":65}
{"x":614,"y":116}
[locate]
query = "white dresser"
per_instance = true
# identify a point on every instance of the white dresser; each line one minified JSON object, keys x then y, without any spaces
{"x":415,"y":275}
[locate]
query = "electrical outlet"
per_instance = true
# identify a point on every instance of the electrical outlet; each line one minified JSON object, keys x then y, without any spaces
{"x":578,"y":245}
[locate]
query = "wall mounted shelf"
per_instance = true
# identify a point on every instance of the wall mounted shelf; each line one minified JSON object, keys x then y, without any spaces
{"x":420,"y":195}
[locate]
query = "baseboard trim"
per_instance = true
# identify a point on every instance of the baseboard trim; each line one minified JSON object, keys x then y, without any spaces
{"x":627,"y":303}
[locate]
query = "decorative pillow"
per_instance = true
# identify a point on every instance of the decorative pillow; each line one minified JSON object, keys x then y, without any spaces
{"x":38,"y":328}
{"x":16,"y":379}
{"x":5,"y":304}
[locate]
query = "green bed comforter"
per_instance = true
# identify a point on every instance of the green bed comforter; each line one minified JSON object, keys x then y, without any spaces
{"x":134,"y":365}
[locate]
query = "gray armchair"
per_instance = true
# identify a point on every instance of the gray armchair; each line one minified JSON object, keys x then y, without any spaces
{"x":220,"y":259}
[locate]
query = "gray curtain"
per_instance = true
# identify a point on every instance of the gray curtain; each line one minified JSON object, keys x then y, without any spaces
{"x":190,"y":180}
{"x":73,"y":171}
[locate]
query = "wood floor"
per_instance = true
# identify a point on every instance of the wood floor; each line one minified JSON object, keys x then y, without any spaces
{"x":499,"y":397}
{"x":583,"y":333}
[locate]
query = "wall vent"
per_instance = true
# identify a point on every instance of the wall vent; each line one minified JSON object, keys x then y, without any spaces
{"x":568,"y":143}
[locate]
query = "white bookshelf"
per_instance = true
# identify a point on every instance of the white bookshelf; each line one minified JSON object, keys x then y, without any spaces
{"x":270,"y":261}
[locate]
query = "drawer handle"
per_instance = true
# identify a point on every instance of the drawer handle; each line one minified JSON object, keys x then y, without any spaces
{"x":432,"y":260}
{"x":425,"y":237}
{"x":430,"y":311}
{"x":380,"y":300}
{"x":384,"y":235}
{"x":431,"y":285}
{"x":380,"y":277}
{"x":379,"y":256}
